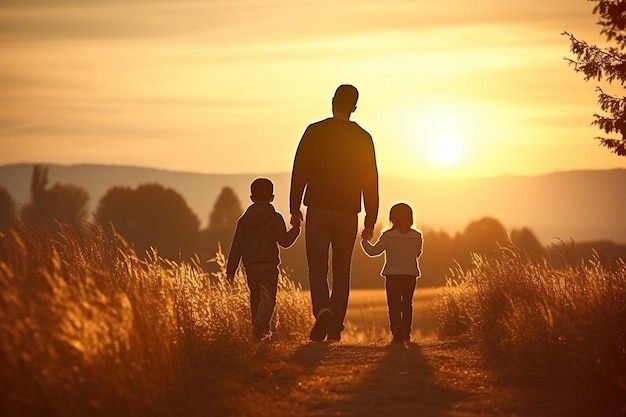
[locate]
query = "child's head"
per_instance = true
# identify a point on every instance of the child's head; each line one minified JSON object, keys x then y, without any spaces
{"x":262,"y":190}
{"x":401,"y":217}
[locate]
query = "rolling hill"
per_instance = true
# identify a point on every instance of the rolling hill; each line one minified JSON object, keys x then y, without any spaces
{"x":577,"y":205}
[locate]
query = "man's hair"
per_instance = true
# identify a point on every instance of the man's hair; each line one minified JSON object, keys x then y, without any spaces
{"x":262,"y":189}
{"x":345,"y":98}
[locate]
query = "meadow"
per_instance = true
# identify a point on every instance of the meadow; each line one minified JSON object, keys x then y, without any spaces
{"x":87,"y":327}
{"x":558,"y":329}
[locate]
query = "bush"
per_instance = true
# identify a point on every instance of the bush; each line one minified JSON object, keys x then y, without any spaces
{"x":564,"y":327}
{"x":89,"y":328}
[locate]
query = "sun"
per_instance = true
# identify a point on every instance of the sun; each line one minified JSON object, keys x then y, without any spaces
{"x":438,"y":133}
{"x":445,"y":151}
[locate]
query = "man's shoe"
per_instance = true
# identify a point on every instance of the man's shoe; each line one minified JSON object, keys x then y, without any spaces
{"x":320,"y":328}
{"x":398,"y":335}
{"x":333,"y":338}
{"x":259,"y":331}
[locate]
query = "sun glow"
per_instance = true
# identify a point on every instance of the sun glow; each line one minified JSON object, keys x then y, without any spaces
{"x":446,"y":151}
{"x":439,"y":134}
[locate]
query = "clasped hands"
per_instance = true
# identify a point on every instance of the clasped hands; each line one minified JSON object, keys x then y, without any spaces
{"x":296,"y":219}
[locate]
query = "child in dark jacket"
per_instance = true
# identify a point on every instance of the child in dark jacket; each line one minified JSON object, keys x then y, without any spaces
{"x":259,"y":232}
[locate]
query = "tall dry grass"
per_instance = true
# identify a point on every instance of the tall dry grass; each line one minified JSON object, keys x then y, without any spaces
{"x":562,"y":328}
{"x":89,"y":328}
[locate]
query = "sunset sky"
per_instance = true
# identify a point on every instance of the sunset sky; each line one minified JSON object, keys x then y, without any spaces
{"x":449,"y":88}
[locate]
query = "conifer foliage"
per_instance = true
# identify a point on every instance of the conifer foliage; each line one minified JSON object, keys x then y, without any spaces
{"x":606,"y":65}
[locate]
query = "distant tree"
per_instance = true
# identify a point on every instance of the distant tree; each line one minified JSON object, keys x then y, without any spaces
{"x":7,"y":209}
{"x":483,"y":236}
{"x":608,"y":64}
{"x":117,"y":206}
{"x":223,"y":220}
{"x":38,"y":186}
{"x":62,"y":203}
{"x":437,"y":258}
{"x":525,"y":239}
{"x":152,"y":216}
{"x":67,"y":203}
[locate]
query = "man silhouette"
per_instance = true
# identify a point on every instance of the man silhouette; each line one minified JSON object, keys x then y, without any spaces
{"x":336,"y":164}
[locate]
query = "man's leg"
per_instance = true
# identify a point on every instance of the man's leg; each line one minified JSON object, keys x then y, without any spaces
{"x":344,"y":235}
{"x":317,"y":236}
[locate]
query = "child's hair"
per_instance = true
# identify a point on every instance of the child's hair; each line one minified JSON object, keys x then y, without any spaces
{"x":401,"y":217}
{"x":262,"y":189}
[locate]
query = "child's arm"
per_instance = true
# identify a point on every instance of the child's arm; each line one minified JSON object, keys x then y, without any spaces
{"x":420,"y":248}
{"x":375,"y":249}
{"x":284,"y":237}
{"x":234,"y":255}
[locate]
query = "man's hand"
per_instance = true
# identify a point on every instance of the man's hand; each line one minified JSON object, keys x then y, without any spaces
{"x":367,"y":233}
{"x":296,"y":219}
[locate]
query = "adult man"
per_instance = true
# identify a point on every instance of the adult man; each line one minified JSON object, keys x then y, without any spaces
{"x":336,"y":164}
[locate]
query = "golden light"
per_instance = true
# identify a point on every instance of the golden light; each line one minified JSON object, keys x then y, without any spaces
{"x":446,"y":151}
{"x":439,"y":134}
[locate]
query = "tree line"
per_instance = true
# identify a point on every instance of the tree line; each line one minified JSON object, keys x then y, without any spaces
{"x":152,"y":216}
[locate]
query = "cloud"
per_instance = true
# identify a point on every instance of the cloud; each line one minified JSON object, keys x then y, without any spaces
{"x":111,"y":20}
{"x":255,"y":21}
{"x":100,"y":75}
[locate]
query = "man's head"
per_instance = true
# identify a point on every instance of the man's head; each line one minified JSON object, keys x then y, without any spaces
{"x":262,"y":190}
{"x":345,"y":99}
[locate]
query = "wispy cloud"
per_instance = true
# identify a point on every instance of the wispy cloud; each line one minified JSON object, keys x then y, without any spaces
{"x":253,"y":20}
{"x":84,"y":72}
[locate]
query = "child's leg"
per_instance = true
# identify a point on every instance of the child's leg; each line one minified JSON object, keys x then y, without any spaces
{"x":254,"y":288}
{"x":408,"y":289}
{"x":267,"y":284}
{"x":393,"y":302}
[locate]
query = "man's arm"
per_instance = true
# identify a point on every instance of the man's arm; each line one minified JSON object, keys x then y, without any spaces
{"x":299,"y":178}
{"x":370,"y":192}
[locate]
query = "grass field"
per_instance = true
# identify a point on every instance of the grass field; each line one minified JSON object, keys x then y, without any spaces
{"x":89,"y":328}
{"x":562,"y":328}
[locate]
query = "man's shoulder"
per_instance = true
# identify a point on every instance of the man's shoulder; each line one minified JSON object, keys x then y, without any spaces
{"x":320,"y":123}
{"x":358,"y":126}
{"x":333,"y":124}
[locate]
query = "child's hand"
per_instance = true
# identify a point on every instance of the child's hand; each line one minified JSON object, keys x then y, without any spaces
{"x":367,"y":234}
{"x":296,"y":218}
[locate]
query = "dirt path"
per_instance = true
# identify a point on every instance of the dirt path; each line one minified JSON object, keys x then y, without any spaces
{"x":365,"y":376}
{"x":427,"y":379}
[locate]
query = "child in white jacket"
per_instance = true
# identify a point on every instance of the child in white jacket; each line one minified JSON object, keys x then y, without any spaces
{"x":402,"y":246}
